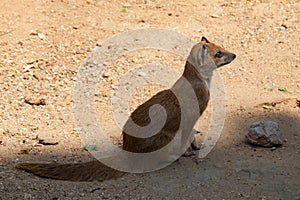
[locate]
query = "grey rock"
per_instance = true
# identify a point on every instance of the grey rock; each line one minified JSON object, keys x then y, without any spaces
{"x":264,"y":134}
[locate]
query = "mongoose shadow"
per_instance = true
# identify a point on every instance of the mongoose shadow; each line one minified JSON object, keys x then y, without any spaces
{"x":203,"y":59}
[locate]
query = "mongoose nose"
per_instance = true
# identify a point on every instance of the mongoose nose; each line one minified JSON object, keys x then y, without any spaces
{"x":233,"y":56}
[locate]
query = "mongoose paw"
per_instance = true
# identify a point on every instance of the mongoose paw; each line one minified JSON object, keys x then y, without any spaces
{"x":188,"y":153}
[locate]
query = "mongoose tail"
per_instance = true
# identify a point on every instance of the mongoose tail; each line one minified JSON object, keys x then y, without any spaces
{"x":89,"y":171}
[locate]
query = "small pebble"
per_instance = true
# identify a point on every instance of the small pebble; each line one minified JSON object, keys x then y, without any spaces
{"x":105,"y":75}
{"x":143,"y":74}
{"x":81,"y":194}
{"x":215,"y":16}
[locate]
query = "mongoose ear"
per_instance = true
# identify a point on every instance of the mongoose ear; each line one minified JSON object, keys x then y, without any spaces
{"x":203,"y":39}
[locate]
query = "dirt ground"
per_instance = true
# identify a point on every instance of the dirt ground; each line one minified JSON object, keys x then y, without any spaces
{"x":43,"y":44}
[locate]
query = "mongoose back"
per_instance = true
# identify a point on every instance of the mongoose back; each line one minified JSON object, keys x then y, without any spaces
{"x":196,"y":72}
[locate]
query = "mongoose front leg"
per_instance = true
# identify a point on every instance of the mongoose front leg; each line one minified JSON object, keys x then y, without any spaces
{"x":195,"y":146}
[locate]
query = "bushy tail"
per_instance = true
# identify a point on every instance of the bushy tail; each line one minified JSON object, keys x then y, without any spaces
{"x":89,"y":171}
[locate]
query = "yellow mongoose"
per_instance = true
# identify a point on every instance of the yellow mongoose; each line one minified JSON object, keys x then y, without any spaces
{"x":196,"y":72}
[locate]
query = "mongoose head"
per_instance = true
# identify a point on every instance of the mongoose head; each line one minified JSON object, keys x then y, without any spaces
{"x":219,"y":55}
{"x":205,"y":57}
{"x":206,"y":53}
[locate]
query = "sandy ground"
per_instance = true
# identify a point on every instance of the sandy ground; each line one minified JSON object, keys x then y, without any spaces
{"x":43,"y":44}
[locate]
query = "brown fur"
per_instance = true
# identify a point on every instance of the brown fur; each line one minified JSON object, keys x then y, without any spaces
{"x":169,"y":101}
{"x":198,"y":77}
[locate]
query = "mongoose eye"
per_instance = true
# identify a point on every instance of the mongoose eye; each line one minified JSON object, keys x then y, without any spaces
{"x":219,"y":54}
